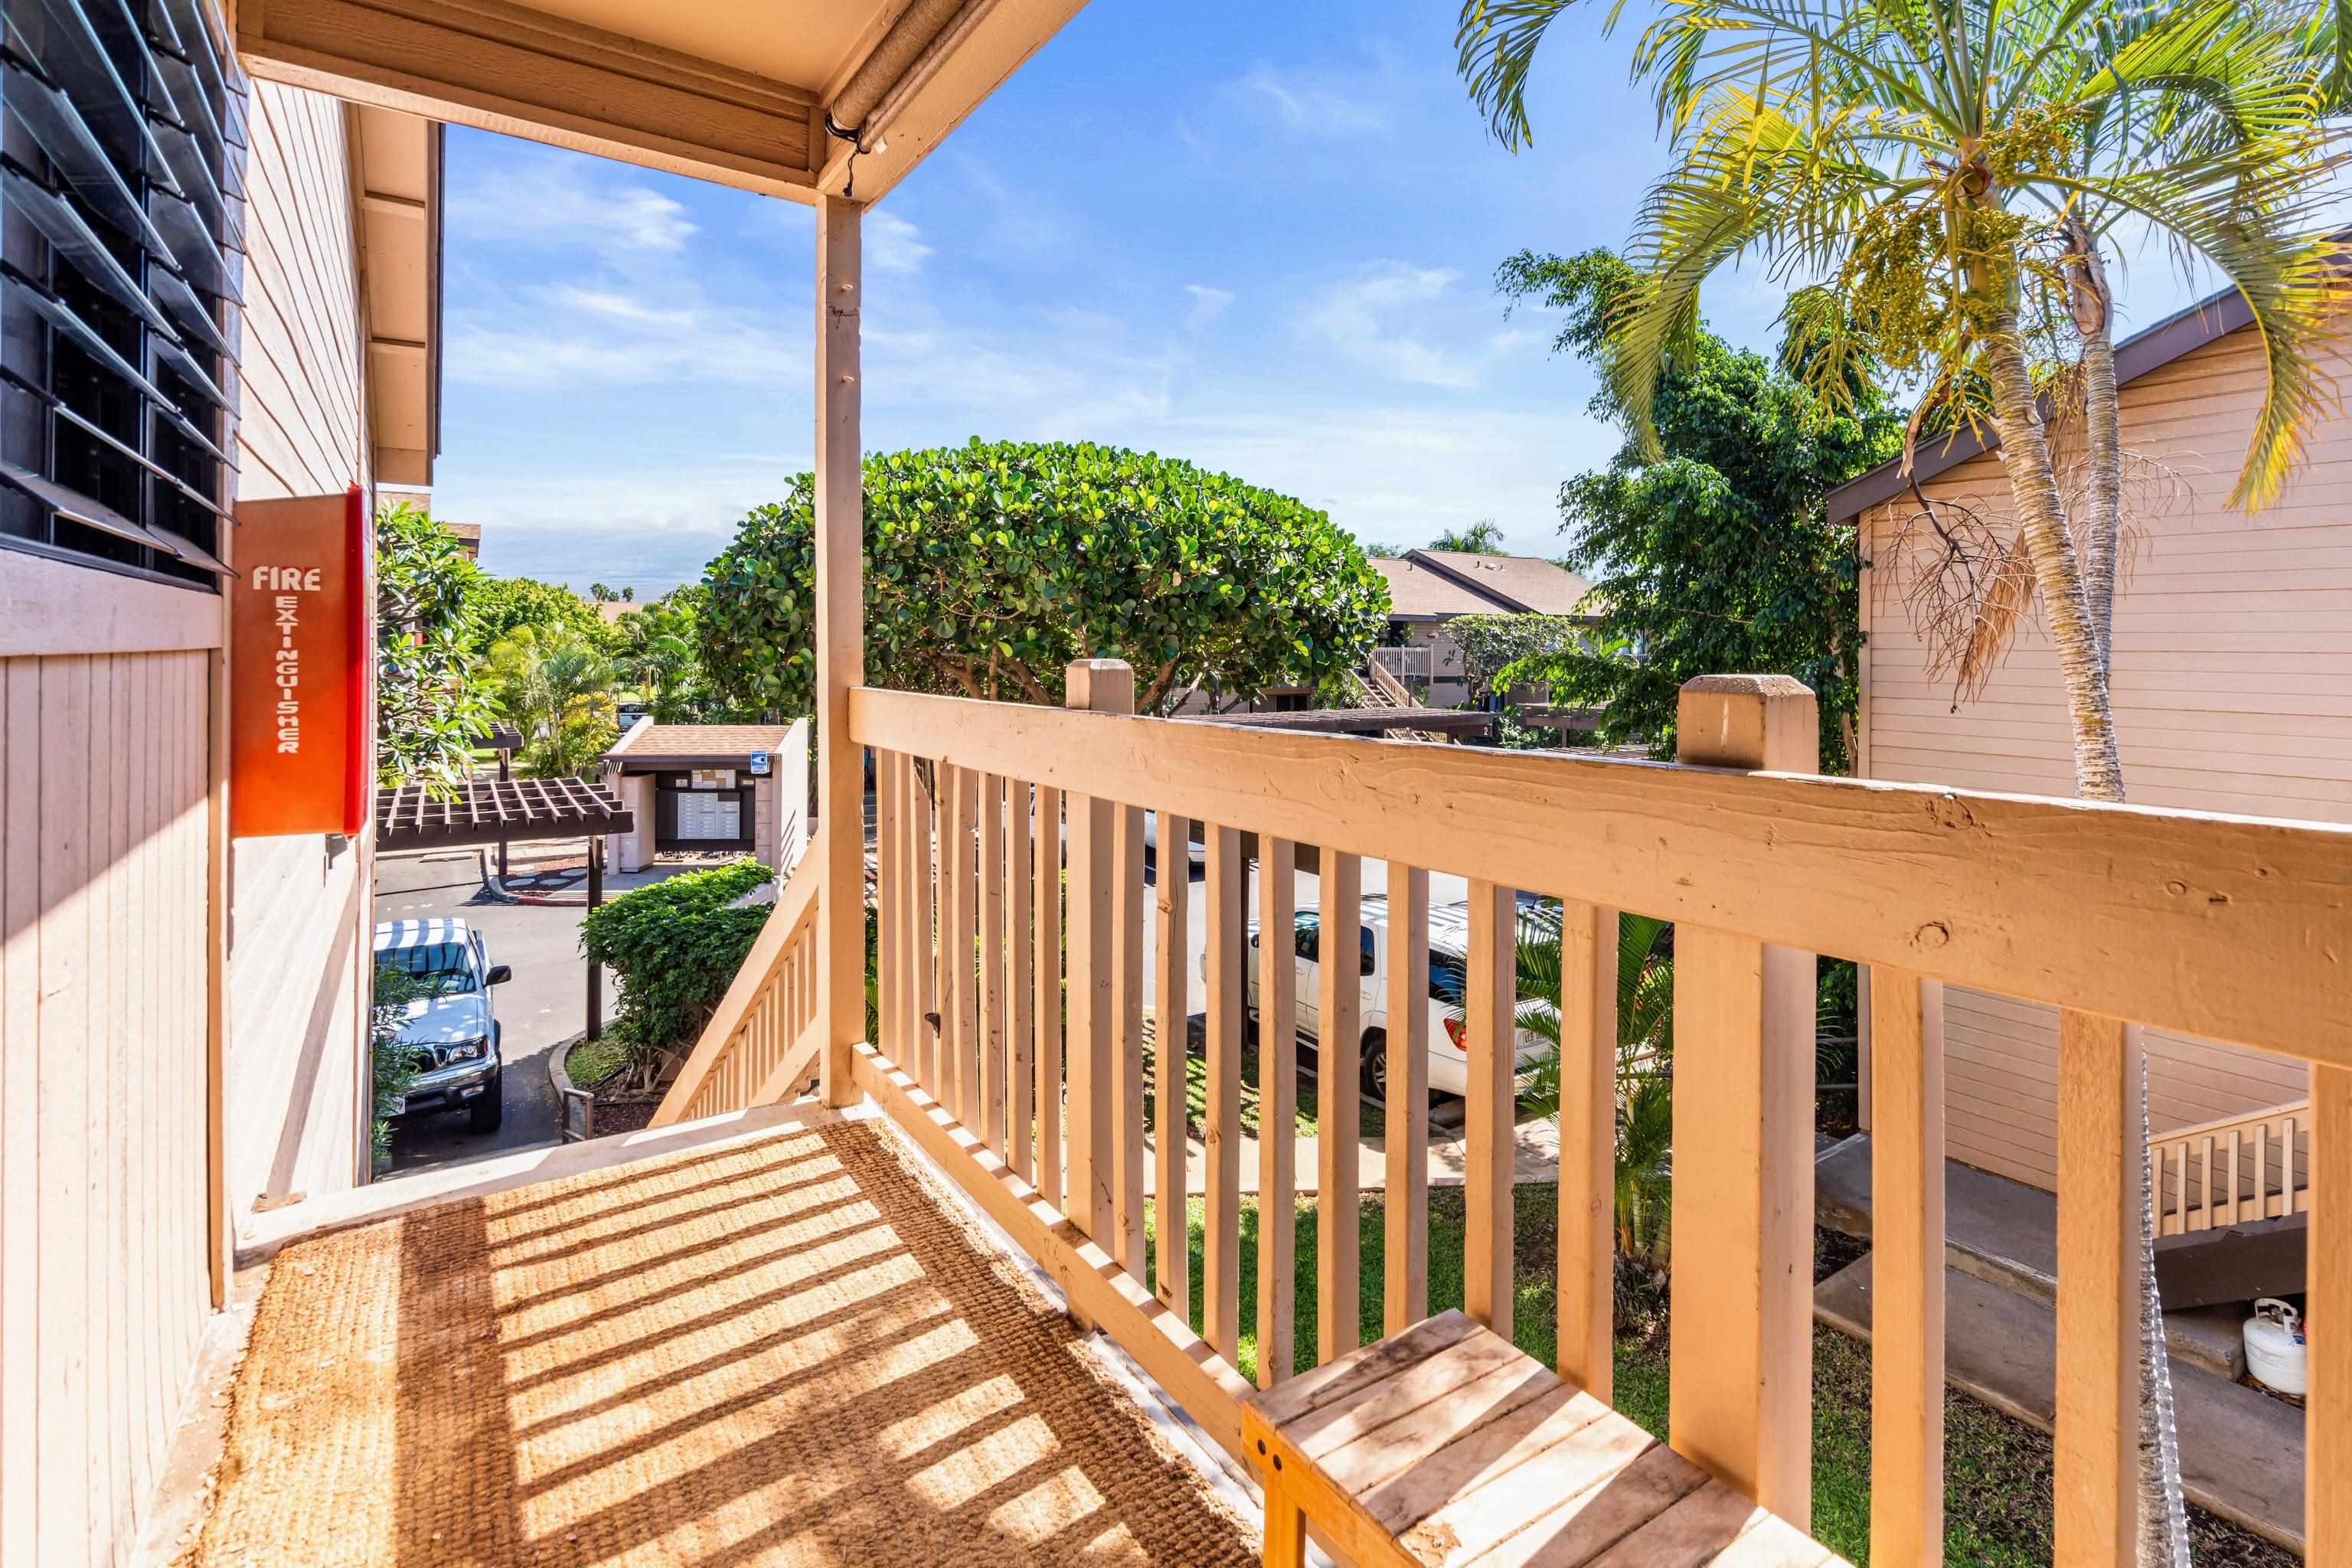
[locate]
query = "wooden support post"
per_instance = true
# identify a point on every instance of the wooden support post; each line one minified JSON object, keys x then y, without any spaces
{"x":989,"y":1121}
{"x":1490,"y":1016}
{"x":1906,"y":1357}
{"x":1047,"y":898}
{"x":1020,"y":966}
{"x":1127,"y":1151}
{"x":595,"y":970}
{"x":1339,"y":1052}
{"x":2096,"y":1487}
{"x":1739,"y":1400}
{"x":925,"y":1003}
{"x":2327,"y":1415}
{"x":1172,"y":1028}
{"x":1277,"y":1110}
{"x":1406,"y":1215}
{"x":1587,"y":1147}
{"x":1101,"y":685}
{"x":1221,"y":1226}
{"x":840,"y":648}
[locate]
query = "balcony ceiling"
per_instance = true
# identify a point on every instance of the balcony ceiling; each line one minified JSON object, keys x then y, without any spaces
{"x":732,"y":90}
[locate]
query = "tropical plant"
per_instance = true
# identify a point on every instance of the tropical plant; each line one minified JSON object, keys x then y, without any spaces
{"x":555,"y":686}
{"x":675,"y":945}
{"x":990,"y":568}
{"x":431,"y":706}
{"x":391,"y":1071}
{"x":1493,"y":644}
{"x":1943,"y":181}
{"x":1484,"y":537}
{"x":1644,"y":1067}
{"x":659,"y":658}
{"x":1711,"y":551}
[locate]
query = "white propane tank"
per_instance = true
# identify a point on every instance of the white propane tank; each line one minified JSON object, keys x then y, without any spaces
{"x":2274,"y":1348}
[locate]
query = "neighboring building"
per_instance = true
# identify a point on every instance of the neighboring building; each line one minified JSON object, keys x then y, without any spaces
{"x":469,"y":536}
{"x":182,"y":1017}
{"x":2232,"y":691}
{"x":693,"y":788}
{"x":1428,"y":588}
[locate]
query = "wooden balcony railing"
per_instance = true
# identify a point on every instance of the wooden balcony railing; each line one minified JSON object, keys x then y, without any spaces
{"x":2251,"y":1167}
{"x":1011,"y":856}
{"x":761,"y":1043}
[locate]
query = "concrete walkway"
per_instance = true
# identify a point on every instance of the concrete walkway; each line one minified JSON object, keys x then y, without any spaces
{"x":2242,"y":1450}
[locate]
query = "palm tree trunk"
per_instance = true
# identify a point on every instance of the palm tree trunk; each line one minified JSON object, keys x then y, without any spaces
{"x":2078,"y":629}
{"x":2092,"y":305}
{"x":2024,"y":453}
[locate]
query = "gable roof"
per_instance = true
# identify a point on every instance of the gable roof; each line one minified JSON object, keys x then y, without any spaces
{"x":1416,"y":592}
{"x":1438,"y":584}
{"x":710,"y":744}
{"x":2182,"y":333}
{"x":1527,"y":583}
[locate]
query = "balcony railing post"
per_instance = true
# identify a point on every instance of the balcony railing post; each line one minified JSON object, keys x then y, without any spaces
{"x":2095,"y":1461}
{"x":1740,"y":1375}
{"x":840,"y":646}
{"x":1906,"y":1362}
{"x":2327,"y":1509}
{"x":1101,"y":685}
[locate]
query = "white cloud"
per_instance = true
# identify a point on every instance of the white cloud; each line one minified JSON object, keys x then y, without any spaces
{"x":1208,"y":304}
{"x":580,"y":338}
{"x":565,"y":200}
{"x":1319,"y":107}
{"x":893,"y":244}
{"x":1359,"y":317}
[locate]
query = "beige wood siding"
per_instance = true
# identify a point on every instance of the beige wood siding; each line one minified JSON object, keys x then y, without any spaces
{"x":103,"y":996}
{"x":299,"y":918}
{"x":2232,"y":689}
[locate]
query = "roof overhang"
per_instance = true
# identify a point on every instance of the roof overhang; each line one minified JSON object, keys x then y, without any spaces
{"x":2182,"y":333}
{"x":737,"y":91}
{"x":396,"y":174}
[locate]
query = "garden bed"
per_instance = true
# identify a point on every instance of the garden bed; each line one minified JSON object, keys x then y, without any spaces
{"x":591,"y":1063}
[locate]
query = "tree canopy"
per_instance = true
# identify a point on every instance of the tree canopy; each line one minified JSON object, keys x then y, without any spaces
{"x":430,"y":707}
{"x":1716,"y":555}
{"x":500,"y":604}
{"x":990,"y":567}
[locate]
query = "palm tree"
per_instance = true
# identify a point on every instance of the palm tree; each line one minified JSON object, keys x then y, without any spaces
{"x":1943,"y":180}
{"x":557,"y":689}
{"x":1940,"y":181}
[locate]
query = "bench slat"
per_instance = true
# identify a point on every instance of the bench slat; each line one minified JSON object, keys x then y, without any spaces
{"x":1447,"y":1446}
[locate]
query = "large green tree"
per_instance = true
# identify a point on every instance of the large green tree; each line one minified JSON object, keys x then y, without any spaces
{"x":1707,"y":544}
{"x":990,"y":567}
{"x":501,"y":604}
{"x":431,"y":705}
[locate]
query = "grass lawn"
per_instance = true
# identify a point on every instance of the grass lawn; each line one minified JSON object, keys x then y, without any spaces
{"x":1997,"y":1470}
{"x":1196,"y":1094}
{"x":592,"y":1061}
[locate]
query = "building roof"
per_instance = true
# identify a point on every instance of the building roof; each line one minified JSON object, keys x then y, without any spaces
{"x":698,"y":743}
{"x":1418,"y":594}
{"x":1438,"y":584}
{"x":1527,"y":583}
{"x":2182,"y":333}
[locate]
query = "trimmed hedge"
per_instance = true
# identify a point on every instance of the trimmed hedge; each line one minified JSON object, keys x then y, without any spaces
{"x":675,"y":945}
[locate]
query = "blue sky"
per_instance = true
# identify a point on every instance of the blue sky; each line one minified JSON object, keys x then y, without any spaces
{"x":1260,"y":237}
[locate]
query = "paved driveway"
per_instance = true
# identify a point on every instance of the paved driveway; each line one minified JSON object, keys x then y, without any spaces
{"x":544,"y":1002}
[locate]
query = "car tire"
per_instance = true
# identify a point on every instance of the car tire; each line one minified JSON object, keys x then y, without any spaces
{"x":1372,"y":1067}
{"x":489,"y":1113}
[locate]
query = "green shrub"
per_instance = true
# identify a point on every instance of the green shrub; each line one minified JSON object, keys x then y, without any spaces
{"x":675,"y":945}
{"x":393,"y":1072}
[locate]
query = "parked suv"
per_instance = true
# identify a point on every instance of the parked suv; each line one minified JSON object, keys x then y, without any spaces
{"x":1449,"y":940}
{"x":448,"y":1027}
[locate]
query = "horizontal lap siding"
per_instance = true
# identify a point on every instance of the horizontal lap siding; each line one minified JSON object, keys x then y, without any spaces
{"x":2232,"y":692}
{"x":103,"y":1285}
{"x":297,"y":958}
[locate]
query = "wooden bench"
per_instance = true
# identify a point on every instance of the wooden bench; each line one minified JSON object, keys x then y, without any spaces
{"x":1447,"y":1445}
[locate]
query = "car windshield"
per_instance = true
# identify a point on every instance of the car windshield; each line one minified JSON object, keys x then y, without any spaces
{"x":439,"y":969}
